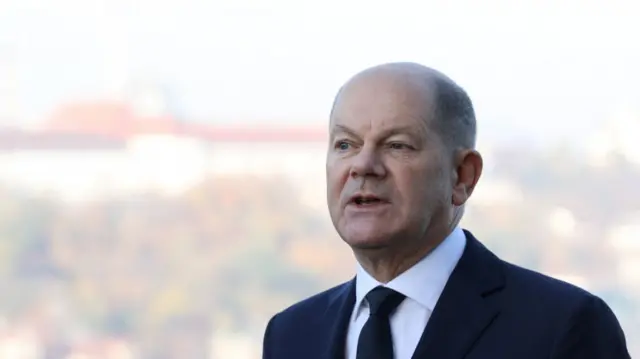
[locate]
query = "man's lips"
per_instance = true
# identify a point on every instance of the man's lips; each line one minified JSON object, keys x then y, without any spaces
{"x":366,"y":199}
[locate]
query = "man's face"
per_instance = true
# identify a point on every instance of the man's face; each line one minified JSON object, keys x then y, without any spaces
{"x":388,"y":174}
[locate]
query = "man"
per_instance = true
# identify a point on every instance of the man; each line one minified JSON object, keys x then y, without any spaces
{"x":400,"y":166}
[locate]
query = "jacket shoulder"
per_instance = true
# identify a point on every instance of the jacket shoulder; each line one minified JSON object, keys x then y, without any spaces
{"x":297,"y":323}
{"x":543,"y":284}
{"x":541,"y":291}
{"x":314,"y":304}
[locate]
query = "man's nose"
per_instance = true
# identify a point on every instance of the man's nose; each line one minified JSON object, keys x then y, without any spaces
{"x":367,"y":163}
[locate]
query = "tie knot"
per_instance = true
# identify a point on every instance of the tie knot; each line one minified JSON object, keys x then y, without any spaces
{"x":383,"y":301}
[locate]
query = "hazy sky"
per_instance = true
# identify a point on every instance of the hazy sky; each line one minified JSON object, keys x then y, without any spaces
{"x":535,"y":69}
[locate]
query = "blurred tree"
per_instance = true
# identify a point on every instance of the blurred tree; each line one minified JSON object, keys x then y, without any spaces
{"x":236,"y":250}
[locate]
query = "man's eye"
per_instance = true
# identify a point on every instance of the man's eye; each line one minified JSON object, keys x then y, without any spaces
{"x":399,"y":146}
{"x":342,"y":145}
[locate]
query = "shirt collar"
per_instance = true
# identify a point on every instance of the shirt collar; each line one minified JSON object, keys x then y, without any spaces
{"x":425,"y":281}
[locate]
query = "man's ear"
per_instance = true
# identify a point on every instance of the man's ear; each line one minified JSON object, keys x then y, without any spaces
{"x":468,"y":168}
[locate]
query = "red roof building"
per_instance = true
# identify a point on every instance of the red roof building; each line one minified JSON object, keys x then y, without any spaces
{"x":118,"y":120}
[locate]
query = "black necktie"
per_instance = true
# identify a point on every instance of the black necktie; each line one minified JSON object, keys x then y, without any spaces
{"x":375,"y":338}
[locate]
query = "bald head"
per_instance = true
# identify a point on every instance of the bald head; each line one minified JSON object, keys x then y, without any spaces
{"x":443,"y":105}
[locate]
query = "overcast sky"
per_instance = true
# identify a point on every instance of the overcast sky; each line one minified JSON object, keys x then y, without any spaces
{"x":535,"y":69}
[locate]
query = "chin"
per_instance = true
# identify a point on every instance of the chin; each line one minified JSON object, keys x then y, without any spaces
{"x":366,"y":239}
{"x":369,"y":246}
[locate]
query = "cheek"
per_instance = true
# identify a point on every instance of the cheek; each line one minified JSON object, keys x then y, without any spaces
{"x":433,"y":188}
{"x":336,"y":177}
{"x":419,"y":189}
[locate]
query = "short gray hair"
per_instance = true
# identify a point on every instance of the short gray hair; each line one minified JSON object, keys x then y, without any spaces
{"x":454,"y":117}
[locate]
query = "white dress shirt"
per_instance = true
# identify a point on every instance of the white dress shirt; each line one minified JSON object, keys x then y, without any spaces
{"x":422,"y":285}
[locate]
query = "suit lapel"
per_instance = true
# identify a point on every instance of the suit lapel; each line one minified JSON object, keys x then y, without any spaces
{"x":337,"y":319}
{"x":466,"y":307}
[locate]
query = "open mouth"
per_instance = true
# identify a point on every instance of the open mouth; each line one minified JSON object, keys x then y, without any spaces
{"x":366,"y":200}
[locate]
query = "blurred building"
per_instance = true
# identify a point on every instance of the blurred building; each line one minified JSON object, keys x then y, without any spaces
{"x":93,"y":150}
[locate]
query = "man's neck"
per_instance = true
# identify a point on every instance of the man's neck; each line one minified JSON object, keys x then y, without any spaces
{"x":385,"y":268}
{"x":385,"y":264}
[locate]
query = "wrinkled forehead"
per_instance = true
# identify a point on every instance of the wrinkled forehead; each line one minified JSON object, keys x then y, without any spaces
{"x":383,"y":99}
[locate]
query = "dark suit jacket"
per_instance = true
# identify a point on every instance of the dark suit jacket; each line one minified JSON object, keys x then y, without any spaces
{"x":489,"y":309}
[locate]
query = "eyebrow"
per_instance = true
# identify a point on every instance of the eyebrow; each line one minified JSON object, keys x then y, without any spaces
{"x":343,"y":129}
{"x":402,"y":130}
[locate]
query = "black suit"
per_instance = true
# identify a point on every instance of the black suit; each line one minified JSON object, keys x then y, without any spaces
{"x":489,"y":309}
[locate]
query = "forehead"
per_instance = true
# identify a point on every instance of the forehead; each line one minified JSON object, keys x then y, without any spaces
{"x":384,"y":100}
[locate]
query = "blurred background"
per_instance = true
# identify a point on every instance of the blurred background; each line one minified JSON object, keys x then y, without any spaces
{"x":162,"y":188}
